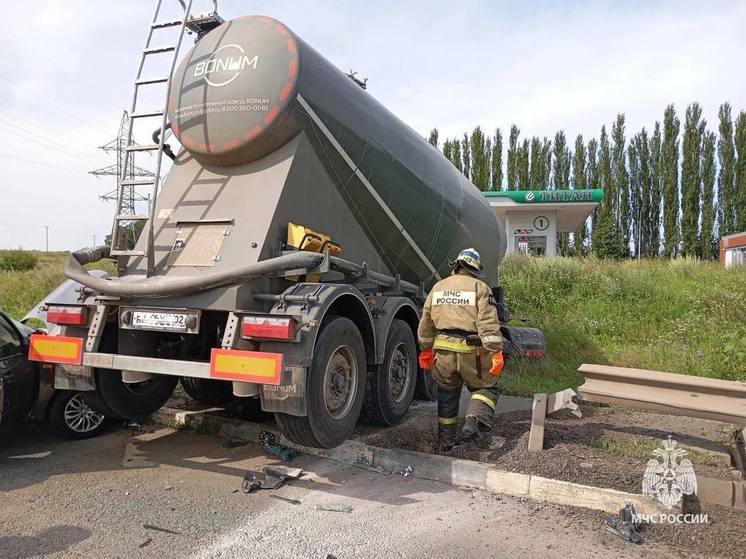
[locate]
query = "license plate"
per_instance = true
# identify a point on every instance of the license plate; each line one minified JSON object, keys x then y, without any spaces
{"x":172,"y":321}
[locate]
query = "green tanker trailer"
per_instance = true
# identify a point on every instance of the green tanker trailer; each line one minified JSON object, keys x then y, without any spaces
{"x":287,"y":253}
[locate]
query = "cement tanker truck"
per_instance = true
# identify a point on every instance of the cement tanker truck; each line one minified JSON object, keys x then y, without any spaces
{"x":287,"y":253}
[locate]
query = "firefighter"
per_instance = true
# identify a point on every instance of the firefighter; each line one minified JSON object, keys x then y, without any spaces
{"x":460,"y":342}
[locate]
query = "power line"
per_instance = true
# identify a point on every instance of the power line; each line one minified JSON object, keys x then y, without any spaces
{"x":61,"y":142}
{"x":53,"y":105}
{"x":32,"y":162}
{"x":54,"y":132}
{"x":55,"y":146}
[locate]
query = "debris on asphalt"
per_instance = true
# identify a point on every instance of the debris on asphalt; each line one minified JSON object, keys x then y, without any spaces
{"x":624,"y":525}
{"x":286,"y":499}
{"x":335,"y":508}
{"x":146,"y":543}
{"x":271,"y":477}
{"x":274,"y":476}
{"x":159,"y":529}
{"x":271,"y":446}
{"x":372,"y":468}
{"x":405,"y":471}
{"x":250,"y":482}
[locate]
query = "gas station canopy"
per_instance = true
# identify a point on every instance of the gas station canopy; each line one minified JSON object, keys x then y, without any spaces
{"x":533,"y":218}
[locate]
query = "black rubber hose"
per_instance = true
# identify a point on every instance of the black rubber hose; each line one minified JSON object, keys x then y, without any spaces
{"x":166,"y":148}
{"x":162,"y":286}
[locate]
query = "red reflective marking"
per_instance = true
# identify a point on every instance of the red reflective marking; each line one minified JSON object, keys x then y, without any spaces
{"x":230,"y":144}
{"x":252,"y":133}
{"x":291,"y":45}
{"x":273,"y":112}
{"x":281,"y":29}
{"x":286,"y":91}
{"x":175,"y":128}
{"x":189,"y":142}
{"x":265,"y":19}
{"x":293,"y":68}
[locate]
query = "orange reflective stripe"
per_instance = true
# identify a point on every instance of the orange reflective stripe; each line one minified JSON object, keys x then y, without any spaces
{"x":55,"y":349}
{"x":246,"y":366}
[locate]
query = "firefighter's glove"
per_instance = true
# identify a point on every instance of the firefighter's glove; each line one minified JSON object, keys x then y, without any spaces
{"x":426,"y":358}
{"x":497,"y":363}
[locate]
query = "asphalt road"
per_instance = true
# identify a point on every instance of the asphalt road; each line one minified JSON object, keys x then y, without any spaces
{"x":167,"y":494}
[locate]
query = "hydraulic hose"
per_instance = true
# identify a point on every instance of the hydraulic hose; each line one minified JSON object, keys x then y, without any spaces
{"x":161,"y":286}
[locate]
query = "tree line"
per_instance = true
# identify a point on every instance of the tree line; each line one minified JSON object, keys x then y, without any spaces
{"x":666,"y":193}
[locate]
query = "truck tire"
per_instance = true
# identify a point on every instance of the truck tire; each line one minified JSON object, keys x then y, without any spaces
{"x":95,"y":402}
{"x":206,"y":391}
{"x":391,"y":385}
{"x":426,"y":388}
{"x":70,"y":417}
{"x":134,"y":402}
{"x":335,"y":388}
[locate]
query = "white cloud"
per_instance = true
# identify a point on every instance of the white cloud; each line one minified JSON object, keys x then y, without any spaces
{"x":454,"y":65}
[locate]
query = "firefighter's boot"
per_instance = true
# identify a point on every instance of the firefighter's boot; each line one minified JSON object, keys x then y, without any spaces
{"x":448,"y":421}
{"x":473,"y":431}
{"x":448,"y":436}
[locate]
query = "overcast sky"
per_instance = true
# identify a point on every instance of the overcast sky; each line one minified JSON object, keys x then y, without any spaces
{"x":66,"y":71}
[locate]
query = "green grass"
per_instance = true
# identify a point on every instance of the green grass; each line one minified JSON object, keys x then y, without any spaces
{"x":681,"y":316}
{"x":20,"y":291}
{"x":643,"y":448}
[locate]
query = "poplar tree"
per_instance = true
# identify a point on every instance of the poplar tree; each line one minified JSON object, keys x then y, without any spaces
{"x":512,"y":162}
{"x":727,"y":173}
{"x":480,"y":163}
{"x":448,"y":150}
{"x":707,"y":243}
{"x":691,"y":179}
{"x":536,"y":166}
{"x":644,"y":204}
{"x":634,"y":194}
{"x":578,"y":183}
{"x":546,"y":155}
{"x":656,"y":191}
{"x":620,"y":179}
{"x":496,"y":182}
{"x":466,"y":156}
{"x":561,"y":178}
{"x":523,"y":164}
{"x":456,"y":154}
{"x":740,"y":187}
{"x":433,"y":139}
{"x":606,"y":236}
{"x":670,"y":180}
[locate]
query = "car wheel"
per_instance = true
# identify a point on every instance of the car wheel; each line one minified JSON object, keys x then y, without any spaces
{"x":70,"y":417}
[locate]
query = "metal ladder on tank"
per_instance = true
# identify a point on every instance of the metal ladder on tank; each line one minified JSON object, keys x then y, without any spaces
{"x":199,"y":24}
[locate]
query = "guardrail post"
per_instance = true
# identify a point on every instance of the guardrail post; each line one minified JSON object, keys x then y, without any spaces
{"x":538,"y":415}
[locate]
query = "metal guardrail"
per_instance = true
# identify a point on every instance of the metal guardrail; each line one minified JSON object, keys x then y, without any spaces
{"x":671,"y":393}
{"x":691,"y":396}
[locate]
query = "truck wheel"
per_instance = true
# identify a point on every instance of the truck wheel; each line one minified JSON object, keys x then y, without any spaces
{"x":70,"y":417}
{"x":391,"y":385}
{"x":426,"y":388}
{"x":135,"y":401}
{"x":206,"y":391}
{"x":335,"y":388}
{"x":95,"y":402}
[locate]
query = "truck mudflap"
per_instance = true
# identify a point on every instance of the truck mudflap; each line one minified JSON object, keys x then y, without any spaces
{"x":288,"y":397}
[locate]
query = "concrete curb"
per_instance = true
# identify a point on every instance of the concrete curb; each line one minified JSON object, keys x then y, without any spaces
{"x":454,"y":471}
